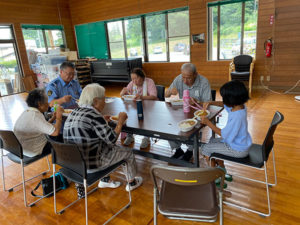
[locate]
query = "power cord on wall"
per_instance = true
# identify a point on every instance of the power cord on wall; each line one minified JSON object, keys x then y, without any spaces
{"x":282,"y":93}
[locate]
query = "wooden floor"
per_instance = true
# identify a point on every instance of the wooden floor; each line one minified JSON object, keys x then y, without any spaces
{"x":285,"y":197}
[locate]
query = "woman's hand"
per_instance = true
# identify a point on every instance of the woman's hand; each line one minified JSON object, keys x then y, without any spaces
{"x":107,"y":117}
{"x":122,"y":117}
{"x":53,"y":117}
{"x":59,"y":112}
{"x":138,"y":97}
{"x":124,"y":91}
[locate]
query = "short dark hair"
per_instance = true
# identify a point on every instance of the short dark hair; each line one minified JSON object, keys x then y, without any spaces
{"x":234,"y":93}
{"x":35,"y":97}
{"x":139,"y":72}
{"x":67,"y":64}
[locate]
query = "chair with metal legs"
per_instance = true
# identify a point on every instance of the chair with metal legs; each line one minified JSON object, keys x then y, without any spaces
{"x":11,"y":144}
{"x":187,"y":193}
{"x":69,"y":157}
{"x":257,"y":159}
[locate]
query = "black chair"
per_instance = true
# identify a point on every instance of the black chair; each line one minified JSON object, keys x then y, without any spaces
{"x":241,"y":68}
{"x":213,"y":95}
{"x":187,"y":193}
{"x":10,"y":143}
{"x":257,"y":159}
{"x":68,"y":156}
{"x":160,"y":92}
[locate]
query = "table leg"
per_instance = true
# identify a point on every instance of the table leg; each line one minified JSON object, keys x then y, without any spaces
{"x":196,"y":149}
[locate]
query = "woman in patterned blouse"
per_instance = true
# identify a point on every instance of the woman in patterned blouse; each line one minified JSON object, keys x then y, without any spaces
{"x":88,"y":129}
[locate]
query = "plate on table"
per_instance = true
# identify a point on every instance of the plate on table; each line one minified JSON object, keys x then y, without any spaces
{"x":67,"y":112}
{"x":128,"y":97}
{"x":187,"y":125}
{"x":177,"y":102}
{"x":109,"y":100}
{"x":200,"y":113}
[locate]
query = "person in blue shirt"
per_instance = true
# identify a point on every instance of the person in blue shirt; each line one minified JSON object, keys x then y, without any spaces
{"x":235,"y":139}
{"x":64,"y":90}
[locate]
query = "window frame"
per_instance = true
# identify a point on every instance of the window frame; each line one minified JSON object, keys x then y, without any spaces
{"x":210,"y":36}
{"x":145,"y":36}
{"x":15,"y":46}
{"x":44,"y":29}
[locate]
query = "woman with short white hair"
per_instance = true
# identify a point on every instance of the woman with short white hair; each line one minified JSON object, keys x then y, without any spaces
{"x":88,"y":129}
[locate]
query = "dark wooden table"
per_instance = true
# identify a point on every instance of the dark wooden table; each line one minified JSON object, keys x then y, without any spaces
{"x":160,"y":121}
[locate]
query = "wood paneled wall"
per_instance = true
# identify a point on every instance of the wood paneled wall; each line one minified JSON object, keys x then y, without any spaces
{"x":283,"y":67}
{"x":17,"y":12}
{"x":86,"y":11}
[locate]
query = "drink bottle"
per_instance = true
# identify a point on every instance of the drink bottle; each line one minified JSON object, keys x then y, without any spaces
{"x":139,"y":107}
{"x":186,"y":101}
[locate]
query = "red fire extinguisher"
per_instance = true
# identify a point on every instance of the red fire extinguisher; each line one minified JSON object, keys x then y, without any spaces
{"x":268,"y":47}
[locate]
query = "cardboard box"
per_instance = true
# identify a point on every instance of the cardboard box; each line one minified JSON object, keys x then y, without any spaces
{"x":71,"y":55}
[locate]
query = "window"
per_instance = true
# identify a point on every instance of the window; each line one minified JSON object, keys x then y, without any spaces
{"x":134,"y":38}
{"x":156,"y":37}
{"x":116,"y":39}
{"x":232,"y":28}
{"x":159,"y":37}
{"x":43,"y":38}
{"x":10,"y":71}
{"x":179,"y":36}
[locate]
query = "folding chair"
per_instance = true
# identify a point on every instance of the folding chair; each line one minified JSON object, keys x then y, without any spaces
{"x":12,"y":145}
{"x":68,"y":156}
{"x":257,"y":159}
{"x":160,"y":92}
{"x":187,"y":193}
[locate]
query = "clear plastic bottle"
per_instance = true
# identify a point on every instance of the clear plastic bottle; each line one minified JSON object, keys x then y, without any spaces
{"x":55,"y":106}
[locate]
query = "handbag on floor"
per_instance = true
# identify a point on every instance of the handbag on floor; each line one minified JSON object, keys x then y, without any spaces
{"x":47,"y":185}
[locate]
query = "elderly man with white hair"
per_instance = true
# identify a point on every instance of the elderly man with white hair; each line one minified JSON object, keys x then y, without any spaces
{"x":88,"y":129}
{"x":199,"y":89}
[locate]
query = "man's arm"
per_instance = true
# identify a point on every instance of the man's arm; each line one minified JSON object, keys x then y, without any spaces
{"x":172,"y":90}
{"x":60,"y":101}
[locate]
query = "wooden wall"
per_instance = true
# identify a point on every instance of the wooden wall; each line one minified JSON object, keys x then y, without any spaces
{"x":283,"y":67}
{"x":286,"y":66}
{"x":19,"y":12}
{"x":86,"y":11}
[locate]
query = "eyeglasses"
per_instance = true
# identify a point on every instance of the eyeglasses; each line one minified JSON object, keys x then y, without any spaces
{"x":70,"y":73}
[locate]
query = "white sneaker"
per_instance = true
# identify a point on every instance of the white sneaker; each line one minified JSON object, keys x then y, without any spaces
{"x":145,"y":142}
{"x":109,"y":184}
{"x":129,"y":139}
{"x":138,"y":182}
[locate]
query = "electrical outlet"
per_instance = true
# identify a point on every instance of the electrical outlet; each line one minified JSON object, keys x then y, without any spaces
{"x":262,"y":78}
{"x":268,"y":78}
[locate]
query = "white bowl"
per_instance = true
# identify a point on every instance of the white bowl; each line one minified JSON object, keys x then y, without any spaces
{"x":128,"y":97}
{"x":185,"y":125}
{"x":199,"y":117}
{"x":67,"y":112}
{"x":115,"y":119}
{"x":177,"y":102}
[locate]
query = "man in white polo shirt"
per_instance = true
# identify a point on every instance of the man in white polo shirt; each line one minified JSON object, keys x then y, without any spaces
{"x":31,"y":127}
